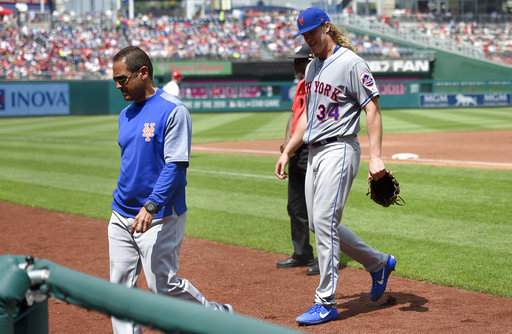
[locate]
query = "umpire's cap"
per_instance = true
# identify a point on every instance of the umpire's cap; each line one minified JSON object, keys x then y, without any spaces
{"x":310,"y":18}
{"x":303,"y":52}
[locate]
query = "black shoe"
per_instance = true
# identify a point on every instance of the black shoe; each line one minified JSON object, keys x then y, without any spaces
{"x":313,"y":269}
{"x":293,"y":262}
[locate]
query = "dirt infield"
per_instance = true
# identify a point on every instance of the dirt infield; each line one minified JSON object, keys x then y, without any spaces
{"x":483,"y":149}
{"x":249,"y":280}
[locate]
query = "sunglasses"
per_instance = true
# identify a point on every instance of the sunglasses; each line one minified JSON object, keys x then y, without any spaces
{"x":122,"y":80}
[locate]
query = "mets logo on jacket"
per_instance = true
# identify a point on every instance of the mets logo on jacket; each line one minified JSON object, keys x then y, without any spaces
{"x":149,"y":131}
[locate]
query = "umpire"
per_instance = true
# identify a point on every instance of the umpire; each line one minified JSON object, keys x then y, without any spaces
{"x":302,"y":250}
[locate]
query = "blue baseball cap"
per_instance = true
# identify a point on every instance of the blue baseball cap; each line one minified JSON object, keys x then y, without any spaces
{"x":310,"y":19}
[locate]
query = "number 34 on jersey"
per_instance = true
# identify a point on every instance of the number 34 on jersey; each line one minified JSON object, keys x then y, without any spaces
{"x":330,"y":111}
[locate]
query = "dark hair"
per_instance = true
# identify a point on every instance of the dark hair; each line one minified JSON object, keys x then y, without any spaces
{"x":134,"y":58}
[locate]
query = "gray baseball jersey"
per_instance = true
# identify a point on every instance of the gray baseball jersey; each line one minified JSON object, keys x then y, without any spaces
{"x":337,"y":89}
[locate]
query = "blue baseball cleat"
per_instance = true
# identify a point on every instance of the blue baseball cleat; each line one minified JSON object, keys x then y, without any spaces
{"x":318,"y":314}
{"x":380,"y":279}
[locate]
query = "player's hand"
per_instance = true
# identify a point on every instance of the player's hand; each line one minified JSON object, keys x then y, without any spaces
{"x":279,"y":170}
{"x":141,"y":222}
{"x":376,"y":168}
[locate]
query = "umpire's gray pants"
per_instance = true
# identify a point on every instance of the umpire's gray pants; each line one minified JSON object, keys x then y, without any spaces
{"x":157,"y":251}
{"x":330,"y":173}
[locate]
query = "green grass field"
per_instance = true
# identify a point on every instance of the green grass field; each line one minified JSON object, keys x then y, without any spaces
{"x":456,"y":229}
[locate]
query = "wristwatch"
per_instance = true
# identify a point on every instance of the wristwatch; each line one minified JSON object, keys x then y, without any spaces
{"x":151,"y":207}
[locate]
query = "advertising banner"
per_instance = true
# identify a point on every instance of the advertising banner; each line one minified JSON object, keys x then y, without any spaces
{"x":225,"y":90}
{"x":31,"y":99}
{"x":400,"y":66}
{"x":193,"y":68}
{"x":205,"y":105}
{"x":392,"y":88}
{"x":441,"y":100}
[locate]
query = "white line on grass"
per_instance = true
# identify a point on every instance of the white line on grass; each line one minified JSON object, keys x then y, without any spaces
{"x":444,"y":162}
{"x":467,"y":163}
{"x":233,"y":150}
{"x":235,"y":174}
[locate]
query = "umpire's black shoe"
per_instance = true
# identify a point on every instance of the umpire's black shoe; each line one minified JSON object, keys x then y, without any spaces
{"x":313,"y":269}
{"x":294,"y":262}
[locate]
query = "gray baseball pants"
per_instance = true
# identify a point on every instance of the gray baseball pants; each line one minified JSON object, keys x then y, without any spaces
{"x":331,"y":170}
{"x":156,"y":251}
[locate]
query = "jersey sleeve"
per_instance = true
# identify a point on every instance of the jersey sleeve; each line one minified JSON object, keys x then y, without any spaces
{"x":178,"y":136}
{"x":171,"y":179}
{"x":362,"y":84}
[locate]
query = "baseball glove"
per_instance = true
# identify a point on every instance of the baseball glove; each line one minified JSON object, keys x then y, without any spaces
{"x":385,"y":191}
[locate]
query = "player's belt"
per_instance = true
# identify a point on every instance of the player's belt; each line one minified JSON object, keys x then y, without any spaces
{"x":330,"y":140}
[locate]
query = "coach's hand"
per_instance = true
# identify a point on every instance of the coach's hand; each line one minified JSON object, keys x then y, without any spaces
{"x":142,"y":221}
{"x":279,"y":171}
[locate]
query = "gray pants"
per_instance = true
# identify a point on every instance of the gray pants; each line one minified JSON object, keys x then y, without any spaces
{"x":331,"y":171}
{"x":157,"y":251}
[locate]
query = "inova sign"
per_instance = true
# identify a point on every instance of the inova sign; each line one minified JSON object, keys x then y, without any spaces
{"x":29,"y":99}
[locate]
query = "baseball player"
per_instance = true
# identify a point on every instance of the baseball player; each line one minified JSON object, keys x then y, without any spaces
{"x":173,"y":86}
{"x":149,"y":210}
{"x":339,"y":85}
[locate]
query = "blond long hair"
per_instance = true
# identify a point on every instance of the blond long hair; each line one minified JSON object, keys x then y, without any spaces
{"x":339,"y":36}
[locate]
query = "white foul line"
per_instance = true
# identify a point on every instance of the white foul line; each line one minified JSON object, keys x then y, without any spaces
{"x":464,"y":162}
{"x":235,"y":174}
{"x":234,"y":150}
{"x":461,"y":163}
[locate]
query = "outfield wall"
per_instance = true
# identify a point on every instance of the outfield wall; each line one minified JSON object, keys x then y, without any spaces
{"x":37,"y":98}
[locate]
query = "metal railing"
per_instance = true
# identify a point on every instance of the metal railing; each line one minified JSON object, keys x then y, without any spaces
{"x":26,"y":283}
{"x":370,"y":25}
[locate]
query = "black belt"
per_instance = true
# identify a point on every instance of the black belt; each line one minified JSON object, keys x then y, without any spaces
{"x":329,"y":140}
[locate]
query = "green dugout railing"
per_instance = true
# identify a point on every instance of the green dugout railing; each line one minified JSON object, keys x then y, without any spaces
{"x":26,"y":283}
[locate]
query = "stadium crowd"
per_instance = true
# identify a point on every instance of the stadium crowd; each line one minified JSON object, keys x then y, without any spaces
{"x":73,"y":45}
{"x":492,"y":35}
